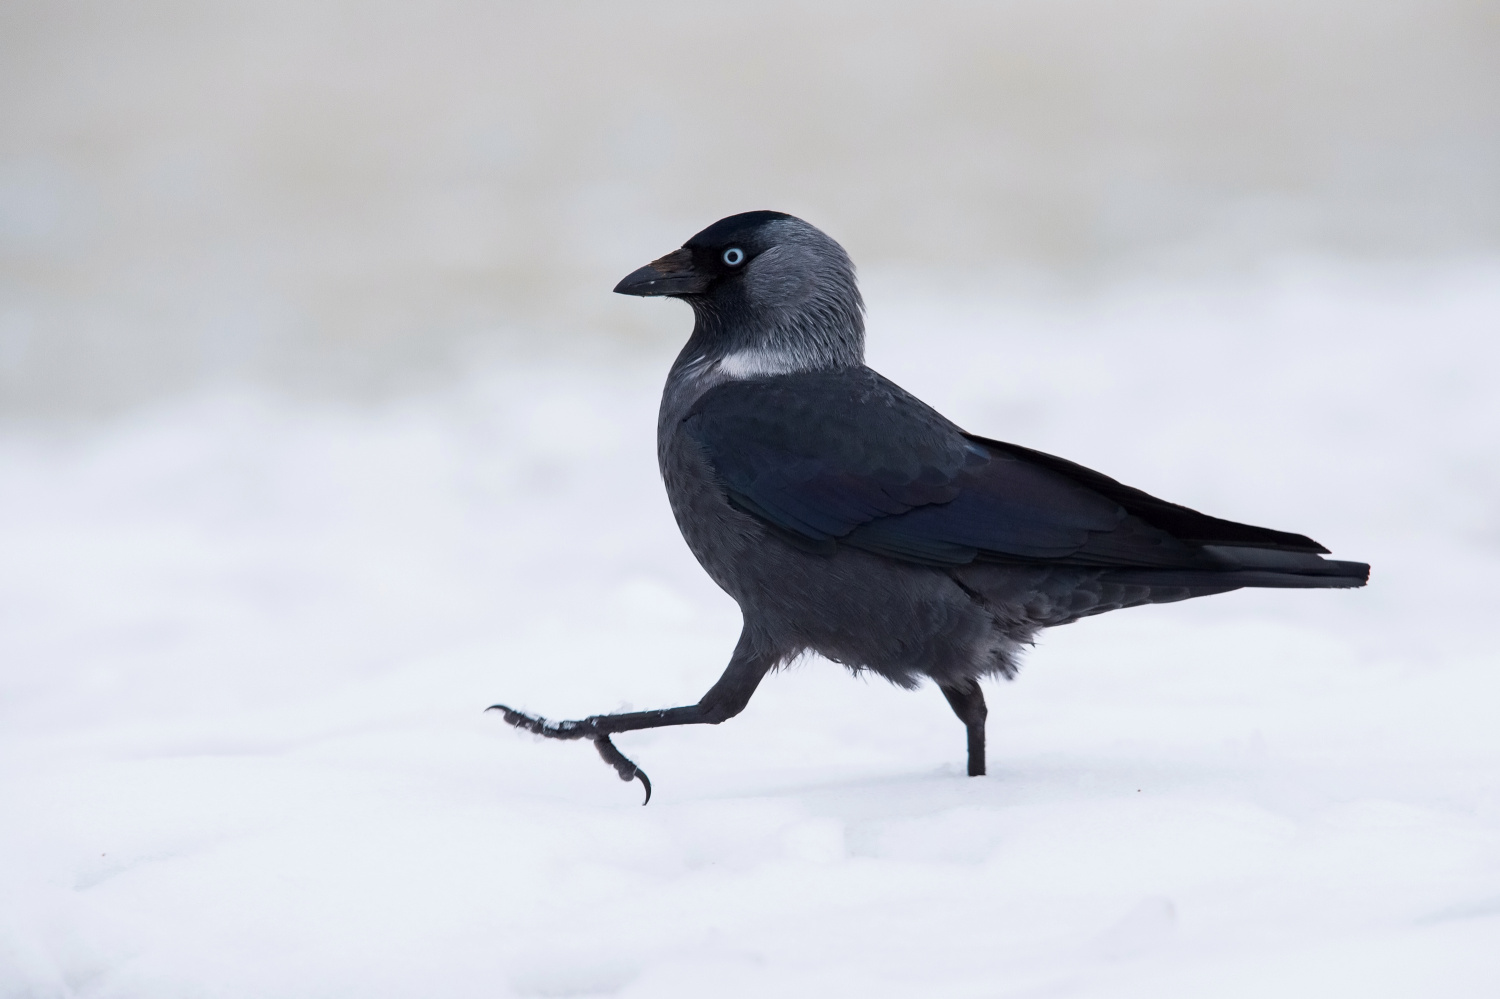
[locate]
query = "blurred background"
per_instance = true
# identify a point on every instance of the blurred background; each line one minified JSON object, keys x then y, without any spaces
{"x":353,"y":198}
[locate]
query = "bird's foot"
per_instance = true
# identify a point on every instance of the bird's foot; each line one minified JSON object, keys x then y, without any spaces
{"x":537,"y":725}
{"x":587,"y":728}
{"x":626,"y":769}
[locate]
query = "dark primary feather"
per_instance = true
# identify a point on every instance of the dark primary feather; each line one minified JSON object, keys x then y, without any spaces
{"x":1185,"y":524}
{"x":845,"y":457}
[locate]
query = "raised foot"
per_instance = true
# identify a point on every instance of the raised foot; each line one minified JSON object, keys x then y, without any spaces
{"x":577,"y":730}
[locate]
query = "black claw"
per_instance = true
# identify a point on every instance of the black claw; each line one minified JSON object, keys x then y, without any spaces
{"x":626,"y":769}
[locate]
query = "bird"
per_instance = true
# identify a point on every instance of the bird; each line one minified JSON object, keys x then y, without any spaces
{"x":849,"y":519}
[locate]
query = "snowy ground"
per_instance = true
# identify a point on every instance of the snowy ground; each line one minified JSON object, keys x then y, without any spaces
{"x":246,"y":644}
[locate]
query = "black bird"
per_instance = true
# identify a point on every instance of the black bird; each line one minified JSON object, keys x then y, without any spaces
{"x":849,"y":518}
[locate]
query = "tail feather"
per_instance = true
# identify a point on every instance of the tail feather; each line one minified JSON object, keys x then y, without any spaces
{"x":1316,"y":574}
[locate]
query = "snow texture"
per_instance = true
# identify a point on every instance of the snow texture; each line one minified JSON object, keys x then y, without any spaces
{"x":246,"y":642}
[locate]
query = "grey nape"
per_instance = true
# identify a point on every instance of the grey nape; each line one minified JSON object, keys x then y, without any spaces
{"x":848,"y":518}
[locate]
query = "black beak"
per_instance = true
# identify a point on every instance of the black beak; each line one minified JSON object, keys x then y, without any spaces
{"x":671,"y":275}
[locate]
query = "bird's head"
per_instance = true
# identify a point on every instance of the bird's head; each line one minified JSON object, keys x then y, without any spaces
{"x":764,"y":286}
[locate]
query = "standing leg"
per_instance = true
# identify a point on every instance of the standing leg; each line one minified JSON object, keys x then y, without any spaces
{"x":724,"y":700}
{"x":967,"y":701}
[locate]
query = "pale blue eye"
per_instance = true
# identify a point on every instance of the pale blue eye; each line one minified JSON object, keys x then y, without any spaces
{"x":734,"y":256}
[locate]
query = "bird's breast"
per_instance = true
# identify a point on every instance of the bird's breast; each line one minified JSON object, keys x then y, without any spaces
{"x":718,"y":535}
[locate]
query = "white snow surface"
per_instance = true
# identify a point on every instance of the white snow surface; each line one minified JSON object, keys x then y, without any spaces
{"x":245,"y":644}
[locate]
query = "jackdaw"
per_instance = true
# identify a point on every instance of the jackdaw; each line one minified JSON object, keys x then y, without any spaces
{"x":849,"y":518}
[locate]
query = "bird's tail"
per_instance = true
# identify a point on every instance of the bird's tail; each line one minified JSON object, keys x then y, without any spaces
{"x":1256,"y":567}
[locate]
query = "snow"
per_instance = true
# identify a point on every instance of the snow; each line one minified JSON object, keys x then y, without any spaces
{"x":247,"y":642}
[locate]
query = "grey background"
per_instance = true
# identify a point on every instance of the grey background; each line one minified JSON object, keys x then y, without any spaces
{"x":354,"y":198}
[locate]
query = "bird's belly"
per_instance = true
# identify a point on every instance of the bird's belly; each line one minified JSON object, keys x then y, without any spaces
{"x":900,"y":620}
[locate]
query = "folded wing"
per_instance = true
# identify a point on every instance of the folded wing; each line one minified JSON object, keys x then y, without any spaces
{"x":849,"y":458}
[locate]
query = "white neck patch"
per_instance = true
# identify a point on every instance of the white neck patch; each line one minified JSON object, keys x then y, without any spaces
{"x":760,"y":363}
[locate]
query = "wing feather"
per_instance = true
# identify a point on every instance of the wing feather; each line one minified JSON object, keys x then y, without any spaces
{"x":847,"y":457}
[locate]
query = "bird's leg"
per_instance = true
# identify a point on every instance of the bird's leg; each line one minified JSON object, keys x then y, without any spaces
{"x":724,"y":700}
{"x":967,"y":701}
